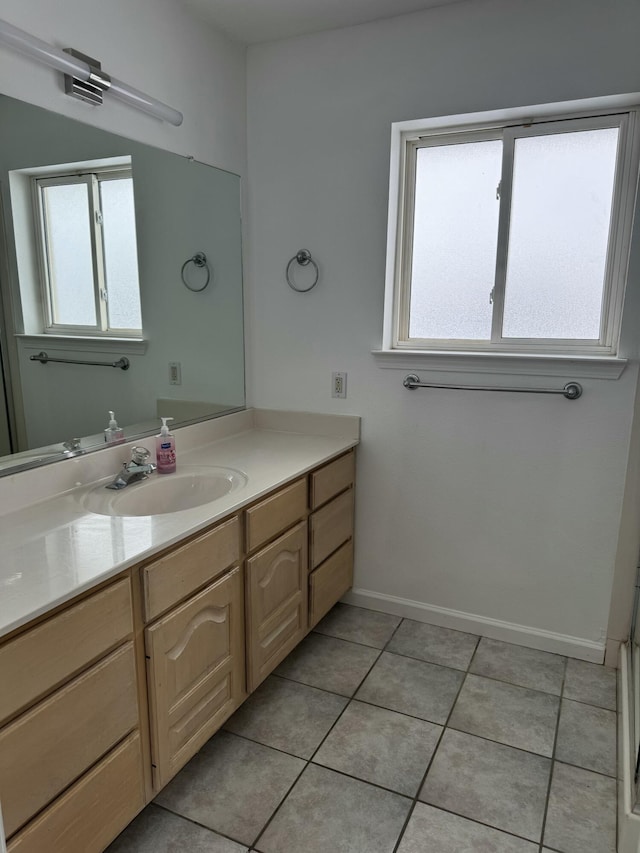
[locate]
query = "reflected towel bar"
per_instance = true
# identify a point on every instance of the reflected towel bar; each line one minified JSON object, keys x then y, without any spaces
{"x":43,"y":358}
{"x":572,"y":390}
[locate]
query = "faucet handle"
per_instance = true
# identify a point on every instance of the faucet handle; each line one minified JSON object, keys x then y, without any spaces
{"x":73,"y":445}
{"x":140,"y":455}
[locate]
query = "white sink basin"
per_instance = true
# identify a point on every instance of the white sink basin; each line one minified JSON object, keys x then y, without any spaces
{"x":189,"y":487}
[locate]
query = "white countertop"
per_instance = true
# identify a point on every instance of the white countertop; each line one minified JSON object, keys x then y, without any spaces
{"x":53,"y":549}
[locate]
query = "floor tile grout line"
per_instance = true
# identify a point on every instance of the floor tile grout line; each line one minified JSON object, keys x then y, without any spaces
{"x":553,"y":760}
{"x":279,"y":806}
{"x":350,"y":700}
{"x":367,"y":701}
{"x":589,"y":704}
{"x":431,"y":760}
{"x":309,"y":760}
{"x":305,"y":684}
{"x":466,"y":669}
{"x":196,"y":823}
{"x":358,"y":642}
{"x":476,"y":821}
{"x":513,"y":684}
{"x":473,"y":654}
{"x":355,"y":698}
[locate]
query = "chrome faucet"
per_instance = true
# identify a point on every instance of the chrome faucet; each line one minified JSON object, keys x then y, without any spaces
{"x":137,"y":469}
{"x":72,"y":447}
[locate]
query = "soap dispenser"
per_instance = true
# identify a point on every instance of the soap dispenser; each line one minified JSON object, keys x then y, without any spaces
{"x":114,"y":434}
{"x":165,"y":449}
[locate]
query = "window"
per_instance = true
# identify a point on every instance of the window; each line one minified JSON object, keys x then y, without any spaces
{"x":87,"y":248}
{"x":511,"y":237}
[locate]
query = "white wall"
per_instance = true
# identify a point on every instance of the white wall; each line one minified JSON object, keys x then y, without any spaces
{"x":154,"y":45}
{"x":479,"y":509}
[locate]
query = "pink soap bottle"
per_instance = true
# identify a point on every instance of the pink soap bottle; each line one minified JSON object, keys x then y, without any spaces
{"x":165,"y":449}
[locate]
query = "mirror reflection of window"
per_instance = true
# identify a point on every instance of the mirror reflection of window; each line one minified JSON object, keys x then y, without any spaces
{"x":87,"y":247}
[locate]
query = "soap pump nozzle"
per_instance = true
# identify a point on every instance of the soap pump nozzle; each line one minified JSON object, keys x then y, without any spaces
{"x":113,"y":434}
{"x":164,"y":429}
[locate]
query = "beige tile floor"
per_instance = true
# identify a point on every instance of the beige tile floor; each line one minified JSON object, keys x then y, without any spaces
{"x":384,"y":735}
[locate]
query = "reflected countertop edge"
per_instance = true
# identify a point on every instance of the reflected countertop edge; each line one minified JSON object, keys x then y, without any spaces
{"x":54,"y":549}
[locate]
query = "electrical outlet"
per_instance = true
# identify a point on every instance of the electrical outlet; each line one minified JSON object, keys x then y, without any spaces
{"x":175,"y":373}
{"x":339,"y":385}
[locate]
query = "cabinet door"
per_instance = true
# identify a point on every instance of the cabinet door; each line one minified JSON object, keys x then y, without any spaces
{"x":196,"y":672}
{"x":276,"y":602}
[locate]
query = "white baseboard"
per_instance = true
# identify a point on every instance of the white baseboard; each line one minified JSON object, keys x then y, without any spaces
{"x":628,"y":821}
{"x":496,"y":629}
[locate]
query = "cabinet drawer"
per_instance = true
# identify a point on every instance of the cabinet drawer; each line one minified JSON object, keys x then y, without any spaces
{"x":174,"y":577}
{"x":331,"y":526}
{"x":332,"y":479}
{"x":196,"y":672}
{"x":275,"y":514}
{"x":40,"y":659}
{"x":87,"y":817}
{"x":329,"y":582}
{"x":277,"y":588}
{"x":53,"y":744}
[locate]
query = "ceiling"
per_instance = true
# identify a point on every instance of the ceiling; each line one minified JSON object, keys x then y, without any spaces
{"x":252,"y":21}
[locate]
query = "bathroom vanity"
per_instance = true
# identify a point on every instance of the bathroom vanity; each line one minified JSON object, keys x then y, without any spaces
{"x":114,"y":678}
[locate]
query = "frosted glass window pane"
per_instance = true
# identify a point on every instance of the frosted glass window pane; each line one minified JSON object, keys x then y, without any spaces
{"x":560,"y":215}
{"x":120,"y":254}
{"x":454,"y":243}
{"x":66,"y":210}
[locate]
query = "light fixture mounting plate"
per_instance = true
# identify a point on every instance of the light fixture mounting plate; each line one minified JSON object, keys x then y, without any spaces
{"x":90,"y":90}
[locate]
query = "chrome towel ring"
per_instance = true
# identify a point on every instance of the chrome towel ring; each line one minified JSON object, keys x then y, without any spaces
{"x":199,"y":260}
{"x":303,"y":257}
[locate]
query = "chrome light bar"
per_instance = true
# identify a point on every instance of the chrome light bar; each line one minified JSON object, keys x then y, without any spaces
{"x":84,"y":72}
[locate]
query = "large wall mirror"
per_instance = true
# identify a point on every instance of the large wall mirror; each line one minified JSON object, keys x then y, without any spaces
{"x":187,"y":361}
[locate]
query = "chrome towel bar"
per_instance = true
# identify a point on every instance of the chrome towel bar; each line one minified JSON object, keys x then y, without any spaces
{"x":572,"y":390}
{"x":43,"y":358}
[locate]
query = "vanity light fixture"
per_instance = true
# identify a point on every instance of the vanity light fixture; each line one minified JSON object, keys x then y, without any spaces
{"x":84,"y":77}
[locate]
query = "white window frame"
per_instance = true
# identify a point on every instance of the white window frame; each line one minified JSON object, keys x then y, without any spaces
{"x":408,"y":137}
{"x":92,"y":178}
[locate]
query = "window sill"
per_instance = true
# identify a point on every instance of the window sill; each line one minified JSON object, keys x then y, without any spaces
{"x":124,"y":346}
{"x":507,"y":364}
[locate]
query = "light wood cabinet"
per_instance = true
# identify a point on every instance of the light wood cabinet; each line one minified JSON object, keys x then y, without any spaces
{"x":52,"y":745}
{"x":112,"y":694}
{"x":329,"y":582}
{"x":73,"y":639}
{"x":275,"y":514}
{"x":331,"y":535}
{"x":73,"y":704}
{"x":276,"y":602}
{"x":331,"y":526}
{"x":195,"y":672}
{"x":93,"y":811}
{"x":182,"y":571}
{"x":331,"y":479}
